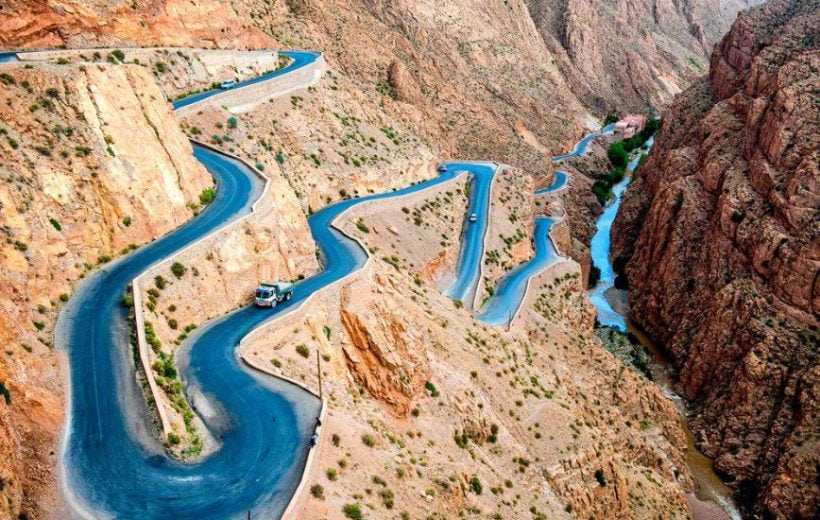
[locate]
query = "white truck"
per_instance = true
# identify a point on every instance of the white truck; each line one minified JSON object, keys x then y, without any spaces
{"x":271,"y":294}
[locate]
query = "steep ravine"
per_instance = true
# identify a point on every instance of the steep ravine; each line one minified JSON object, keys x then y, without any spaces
{"x":719,"y":233}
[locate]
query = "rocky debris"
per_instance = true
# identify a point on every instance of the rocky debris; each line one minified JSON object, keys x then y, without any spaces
{"x":721,"y":232}
{"x":93,"y":164}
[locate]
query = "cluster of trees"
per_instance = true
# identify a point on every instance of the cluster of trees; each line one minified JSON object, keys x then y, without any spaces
{"x":618,"y":155}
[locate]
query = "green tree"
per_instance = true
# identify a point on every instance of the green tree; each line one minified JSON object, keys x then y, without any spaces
{"x":617,"y":155}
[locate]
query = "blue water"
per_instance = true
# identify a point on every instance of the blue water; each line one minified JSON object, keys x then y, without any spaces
{"x":298,"y":59}
{"x":6,"y":57}
{"x":509,"y":293}
{"x":468,"y":268}
{"x":600,"y":249}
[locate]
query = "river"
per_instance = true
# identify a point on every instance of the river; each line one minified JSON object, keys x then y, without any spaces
{"x":612,"y":311}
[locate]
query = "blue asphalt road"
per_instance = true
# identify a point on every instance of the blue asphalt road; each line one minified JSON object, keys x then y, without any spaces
{"x":509,"y":293}
{"x":112,"y":462}
{"x":298,"y":59}
{"x":7,"y":57}
{"x":468,"y":268}
{"x":559,"y":181}
{"x":599,"y":251}
{"x":581,"y":146}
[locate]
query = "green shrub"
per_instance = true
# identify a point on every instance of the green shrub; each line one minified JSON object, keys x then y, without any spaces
{"x":117,"y":53}
{"x":332,"y":474}
{"x":63,"y":297}
{"x":178,"y":270}
{"x":39,"y":325}
{"x":600,"y":477}
{"x":207,"y":196}
{"x":127,"y":300}
{"x":160,"y":282}
{"x":335,"y":439}
{"x":362,"y":226}
{"x":173,"y":323}
{"x":317,"y":491}
{"x":302,"y":350}
{"x":368,"y":440}
{"x":126,"y":222}
{"x":280,"y":158}
{"x":475,"y":485}
{"x":56,"y":224}
{"x":174,"y":438}
{"x":232,"y":122}
{"x":352,"y":511}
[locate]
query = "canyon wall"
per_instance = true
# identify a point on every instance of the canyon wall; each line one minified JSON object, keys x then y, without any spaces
{"x":92,"y":165}
{"x":720,"y":230}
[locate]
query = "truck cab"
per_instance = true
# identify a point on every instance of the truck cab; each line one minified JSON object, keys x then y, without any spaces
{"x":271,"y":294}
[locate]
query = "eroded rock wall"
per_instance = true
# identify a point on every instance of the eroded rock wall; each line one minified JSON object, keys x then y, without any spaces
{"x":721,"y":232}
{"x":92,"y":164}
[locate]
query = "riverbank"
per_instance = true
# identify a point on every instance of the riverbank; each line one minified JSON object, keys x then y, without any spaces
{"x":712,"y":499}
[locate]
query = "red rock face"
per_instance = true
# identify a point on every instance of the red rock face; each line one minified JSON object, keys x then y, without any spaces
{"x":720,"y":228}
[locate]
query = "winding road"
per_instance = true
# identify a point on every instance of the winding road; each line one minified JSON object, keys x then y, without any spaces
{"x":113,"y":465}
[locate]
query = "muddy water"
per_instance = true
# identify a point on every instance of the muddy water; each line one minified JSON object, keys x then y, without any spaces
{"x":709,"y":488}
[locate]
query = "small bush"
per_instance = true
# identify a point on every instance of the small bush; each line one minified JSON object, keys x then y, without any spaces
{"x":39,"y":325}
{"x":173,"y":324}
{"x":232,"y":122}
{"x":207,"y":196}
{"x":303,"y":351}
{"x":368,"y":440}
{"x":178,"y":270}
{"x":126,"y":222}
{"x":352,"y":511}
{"x":335,"y":439}
{"x":127,"y":300}
{"x":362,"y":226}
{"x":600,"y":477}
{"x":317,"y":491}
{"x":56,"y":224}
{"x":117,"y":53}
{"x":63,"y":297}
{"x":160,"y":282}
{"x":475,"y":485}
{"x":174,"y":438}
{"x":332,"y":474}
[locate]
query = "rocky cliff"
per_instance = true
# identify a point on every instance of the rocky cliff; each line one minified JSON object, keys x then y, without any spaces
{"x":143,"y":23}
{"x":720,"y":230}
{"x":92,"y":165}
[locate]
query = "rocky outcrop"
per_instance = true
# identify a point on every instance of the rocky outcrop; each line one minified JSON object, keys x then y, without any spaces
{"x":385,"y":353}
{"x":93,"y":164}
{"x":720,"y":230}
{"x":151,"y":23}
